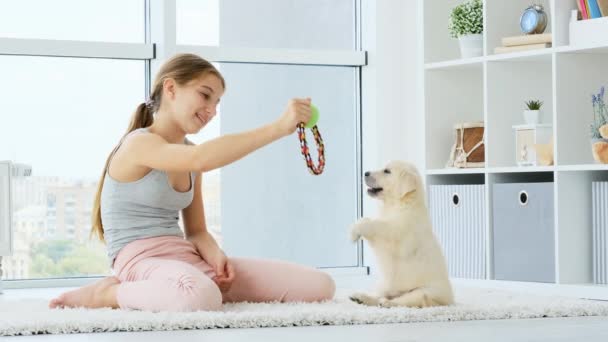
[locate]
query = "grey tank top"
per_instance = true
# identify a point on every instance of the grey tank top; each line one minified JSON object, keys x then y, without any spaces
{"x":145,"y":208}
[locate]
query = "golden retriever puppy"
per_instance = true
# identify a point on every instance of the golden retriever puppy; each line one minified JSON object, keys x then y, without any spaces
{"x":412,"y":267}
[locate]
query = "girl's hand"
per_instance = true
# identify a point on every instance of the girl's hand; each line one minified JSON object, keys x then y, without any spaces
{"x":298,"y":110}
{"x":215,"y":257}
{"x":224,"y":271}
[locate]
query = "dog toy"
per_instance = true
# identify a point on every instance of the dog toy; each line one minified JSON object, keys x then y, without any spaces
{"x":312,"y":123}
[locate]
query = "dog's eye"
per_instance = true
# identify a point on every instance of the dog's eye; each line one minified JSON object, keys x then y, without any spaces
{"x":387,"y":171}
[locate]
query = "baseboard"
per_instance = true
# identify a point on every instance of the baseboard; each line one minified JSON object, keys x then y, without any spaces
{"x":584,"y":291}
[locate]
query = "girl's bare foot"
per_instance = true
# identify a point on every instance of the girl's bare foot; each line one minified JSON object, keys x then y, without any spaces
{"x":97,"y":295}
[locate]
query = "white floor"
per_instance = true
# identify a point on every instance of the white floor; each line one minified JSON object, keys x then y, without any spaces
{"x":560,"y":329}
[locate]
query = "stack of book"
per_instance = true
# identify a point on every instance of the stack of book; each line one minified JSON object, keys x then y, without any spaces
{"x":524,"y":42}
{"x":591,"y":9}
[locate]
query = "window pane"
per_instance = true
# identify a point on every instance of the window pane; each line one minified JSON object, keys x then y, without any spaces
{"x":62,"y":116}
{"x":93,"y":20}
{"x":304,"y":24}
{"x":271,"y":205}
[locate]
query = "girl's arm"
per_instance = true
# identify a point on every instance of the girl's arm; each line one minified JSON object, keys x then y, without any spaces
{"x":193,"y":216}
{"x":153,"y":151}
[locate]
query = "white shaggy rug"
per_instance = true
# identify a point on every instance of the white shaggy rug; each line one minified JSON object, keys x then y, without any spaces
{"x":31,"y":316}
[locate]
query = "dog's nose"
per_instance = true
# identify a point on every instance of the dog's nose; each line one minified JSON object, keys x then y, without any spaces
{"x":367,"y":174}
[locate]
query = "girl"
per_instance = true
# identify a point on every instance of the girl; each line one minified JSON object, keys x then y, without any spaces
{"x":152,"y":174}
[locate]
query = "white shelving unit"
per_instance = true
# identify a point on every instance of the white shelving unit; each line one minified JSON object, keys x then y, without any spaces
{"x":492,"y":88}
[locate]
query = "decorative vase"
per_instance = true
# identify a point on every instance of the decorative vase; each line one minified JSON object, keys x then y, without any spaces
{"x":471,"y":45}
{"x":532,"y":117}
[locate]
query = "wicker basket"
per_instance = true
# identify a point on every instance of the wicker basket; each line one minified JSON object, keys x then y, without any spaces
{"x":468,"y":149}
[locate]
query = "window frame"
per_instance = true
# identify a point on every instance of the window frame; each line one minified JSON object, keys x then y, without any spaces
{"x":159,"y":44}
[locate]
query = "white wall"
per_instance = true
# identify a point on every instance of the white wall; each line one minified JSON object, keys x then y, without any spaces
{"x":391,"y":94}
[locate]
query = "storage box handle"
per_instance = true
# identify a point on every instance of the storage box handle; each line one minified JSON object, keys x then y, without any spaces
{"x":523,"y":198}
{"x":455,"y":199}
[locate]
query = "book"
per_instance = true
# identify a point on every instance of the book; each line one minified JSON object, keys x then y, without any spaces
{"x":505,"y":49}
{"x":587,"y":9}
{"x":603,"y":5}
{"x":527,"y":39}
{"x":582,"y":9}
{"x":594,"y":9}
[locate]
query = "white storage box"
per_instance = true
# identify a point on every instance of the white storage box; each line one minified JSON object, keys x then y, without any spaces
{"x":459,"y":222}
{"x":590,"y":32}
{"x":523,"y":227}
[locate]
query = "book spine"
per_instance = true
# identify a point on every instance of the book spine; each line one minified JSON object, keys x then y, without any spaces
{"x":594,"y":9}
{"x":603,"y":5}
{"x":583,"y":8}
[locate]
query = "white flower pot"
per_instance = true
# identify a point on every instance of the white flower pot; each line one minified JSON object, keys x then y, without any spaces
{"x":532,"y":117}
{"x":471,"y":45}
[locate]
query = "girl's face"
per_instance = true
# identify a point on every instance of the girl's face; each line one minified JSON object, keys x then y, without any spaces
{"x":195,"y":103}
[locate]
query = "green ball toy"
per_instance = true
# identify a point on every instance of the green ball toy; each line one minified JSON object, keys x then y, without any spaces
{"x":314,"y":117}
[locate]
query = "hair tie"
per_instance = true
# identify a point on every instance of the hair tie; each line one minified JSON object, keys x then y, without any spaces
{"x":149,"y":104}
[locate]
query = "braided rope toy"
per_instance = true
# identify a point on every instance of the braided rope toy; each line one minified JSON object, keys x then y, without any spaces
{"x":312,"y":123}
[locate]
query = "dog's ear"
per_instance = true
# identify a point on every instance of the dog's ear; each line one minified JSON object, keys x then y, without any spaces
{"x":407,"y":183}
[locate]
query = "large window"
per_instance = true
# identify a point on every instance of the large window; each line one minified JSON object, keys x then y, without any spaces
{"x":65,"y":115}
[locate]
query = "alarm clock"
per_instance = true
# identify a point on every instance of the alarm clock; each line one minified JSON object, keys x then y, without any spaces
{"x":533,"y":20}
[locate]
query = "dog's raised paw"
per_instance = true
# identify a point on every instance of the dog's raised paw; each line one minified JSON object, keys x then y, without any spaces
{"x":354,"y":235}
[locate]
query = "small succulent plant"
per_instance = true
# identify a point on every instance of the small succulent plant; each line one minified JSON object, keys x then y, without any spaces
{"x":534,"y":104}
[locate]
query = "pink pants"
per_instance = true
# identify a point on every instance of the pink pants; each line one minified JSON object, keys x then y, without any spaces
{"x":167,"y":274}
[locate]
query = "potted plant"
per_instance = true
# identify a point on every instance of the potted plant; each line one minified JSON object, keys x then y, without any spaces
{"x":599,"y":128}
{"x":466,"y":24}
{"x":532,"y":112}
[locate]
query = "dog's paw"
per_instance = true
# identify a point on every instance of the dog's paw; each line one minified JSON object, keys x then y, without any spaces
{"x":365,"y":299}
{"x":354,"y":234}
{"x":363,"y":221}
{"x":386,"y":303}
{"x":357,"y":228}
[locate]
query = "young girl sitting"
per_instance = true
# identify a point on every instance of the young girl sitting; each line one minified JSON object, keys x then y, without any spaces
{"x":152,"y":174}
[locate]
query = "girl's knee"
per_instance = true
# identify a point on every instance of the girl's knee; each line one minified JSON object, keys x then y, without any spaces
{"x":319,"y":287}
{"x":194,"y":293}
{"x":327,"y":286}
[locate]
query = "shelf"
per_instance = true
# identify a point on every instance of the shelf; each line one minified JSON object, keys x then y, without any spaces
{"x":521,"y":169}
{"x":518,"y":169}
{"x":456,"y":171}
{"x":539,"y":55}
{"x":582,"y":49}
{"x":493,"y":88}
{"x":523,"y":56}
{"x":460,"y":64}
{"x":583,"y":167}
